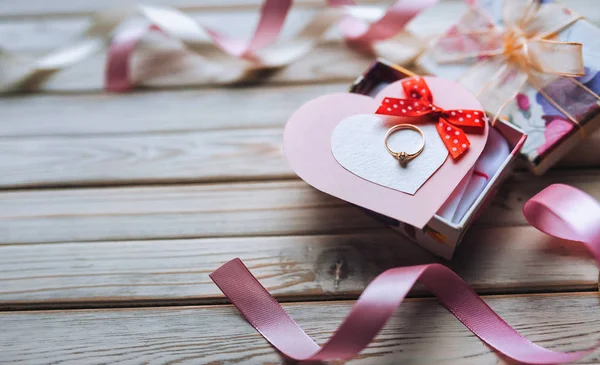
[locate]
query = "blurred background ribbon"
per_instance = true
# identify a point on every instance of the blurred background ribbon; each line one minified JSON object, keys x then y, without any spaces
{"x":364,"y":28}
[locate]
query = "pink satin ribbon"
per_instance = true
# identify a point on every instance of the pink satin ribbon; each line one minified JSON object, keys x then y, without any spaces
{"x":272,"y":17}
{"x":559,"y":210}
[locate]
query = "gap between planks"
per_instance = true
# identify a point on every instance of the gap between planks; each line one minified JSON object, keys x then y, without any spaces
{"x":36,"y":9}
{"x":177,"y":68}
{"x":194,"y":157}
{"x":369,"y":357}
{"x":417,"y":293}
{"x":181,"y":335}
{"x":80,"y":274}
{"x":233,"y":209}
{"x":167,"y":65}
{"x":174,"y":113}
{"x":165,"y":269}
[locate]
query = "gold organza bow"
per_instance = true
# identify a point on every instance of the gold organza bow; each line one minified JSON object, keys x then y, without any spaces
{"x":519,"y":51}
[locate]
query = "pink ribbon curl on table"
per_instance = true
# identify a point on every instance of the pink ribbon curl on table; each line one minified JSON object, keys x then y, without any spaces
{"x":559,"y":210}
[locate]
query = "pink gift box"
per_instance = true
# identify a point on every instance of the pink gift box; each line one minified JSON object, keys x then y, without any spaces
{"x":441,"y":235}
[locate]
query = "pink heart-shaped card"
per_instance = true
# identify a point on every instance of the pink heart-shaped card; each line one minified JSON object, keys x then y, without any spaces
{"x":308,"y":148}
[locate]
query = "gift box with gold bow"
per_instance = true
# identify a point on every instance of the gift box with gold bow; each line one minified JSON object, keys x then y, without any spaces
{"x":534,"y":64}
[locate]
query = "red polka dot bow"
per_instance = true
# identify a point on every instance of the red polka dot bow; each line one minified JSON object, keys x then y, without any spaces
{"x":449,"y":123}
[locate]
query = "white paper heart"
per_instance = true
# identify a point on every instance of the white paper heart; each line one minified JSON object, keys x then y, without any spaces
{"x":357,"y":143}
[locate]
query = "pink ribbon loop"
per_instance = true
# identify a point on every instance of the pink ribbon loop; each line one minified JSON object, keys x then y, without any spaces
{"x":272,"y":17}
{"x":559,"y":210}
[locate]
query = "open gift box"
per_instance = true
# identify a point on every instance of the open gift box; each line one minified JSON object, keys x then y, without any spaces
{"x":335,"y":143}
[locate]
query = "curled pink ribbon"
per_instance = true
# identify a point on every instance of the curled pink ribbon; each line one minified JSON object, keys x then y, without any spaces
{"x":559,"y":210}
{"x":272,"y":17}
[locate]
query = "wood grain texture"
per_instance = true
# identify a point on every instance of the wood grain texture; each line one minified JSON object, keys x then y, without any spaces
{"x":25,"y":33}
{"x":492,"y":260}
{"x":166,"y":112}
{"x":279,"y":208}
{"x":39,"y":8}
{"x":70,"y":8}
{"x":159,"y":157}
{"x":216,"y":335}
{"x":507,"y":205}
{"x":36,"y":35}
{"x":168,"y":66}
{"x":242,"y":154}
{"x":164,"y":68}
{"x":164,"y":64}
{"x":221,"y":210}
{"x":155,"y":245}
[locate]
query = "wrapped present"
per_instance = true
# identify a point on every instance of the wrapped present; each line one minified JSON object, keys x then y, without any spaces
{"x":534,"y":64}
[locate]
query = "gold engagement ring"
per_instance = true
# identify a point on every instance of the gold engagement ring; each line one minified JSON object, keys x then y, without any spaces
{"x":404,"y":157}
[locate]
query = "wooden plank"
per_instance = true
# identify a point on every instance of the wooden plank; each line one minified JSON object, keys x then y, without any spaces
{"x":253,"y":153}
{"x":171,"y":111}
{"x":492,"y":260}
{"x":219,"y":210}
{"x":194,"y":335}
{"x":46,"y":33}
{"x":24,"y":33}
{"x":35,"y":35}
{"x":141,"y":158}
{"x":278,"y":208}
{"x":166,"y":65}
{"x":38,"y":35}
{"x":168,"y":68}
{"x":43,"y":9}
{"x":39,"y":8}
{"x":165,"y":112}
{"x":584,"y":154}
{"x":507,"y":206}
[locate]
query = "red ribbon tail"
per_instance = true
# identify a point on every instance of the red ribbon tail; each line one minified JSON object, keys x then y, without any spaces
{"x":454,"y":138}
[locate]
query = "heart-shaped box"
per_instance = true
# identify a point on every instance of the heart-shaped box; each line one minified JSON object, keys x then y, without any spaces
{"x":308,"y":148}
{"x":440,"y":235}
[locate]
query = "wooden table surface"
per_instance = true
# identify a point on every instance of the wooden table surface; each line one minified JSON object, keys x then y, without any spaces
{"x":114,"y":208}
